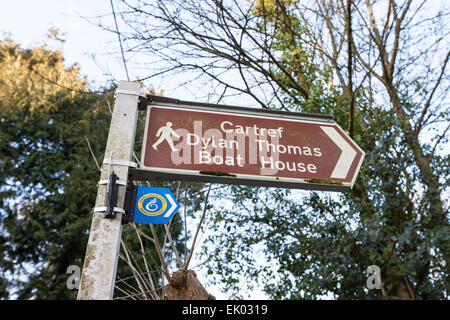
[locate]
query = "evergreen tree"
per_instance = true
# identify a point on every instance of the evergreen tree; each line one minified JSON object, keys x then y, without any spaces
{"x":51,"y":128}
{"x":47,"y":174}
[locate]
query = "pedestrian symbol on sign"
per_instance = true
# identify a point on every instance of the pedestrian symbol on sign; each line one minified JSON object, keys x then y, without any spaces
{"x":165,"y":133}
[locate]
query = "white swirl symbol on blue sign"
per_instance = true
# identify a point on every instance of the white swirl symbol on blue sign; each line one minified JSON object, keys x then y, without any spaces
{"x":151,"y":205}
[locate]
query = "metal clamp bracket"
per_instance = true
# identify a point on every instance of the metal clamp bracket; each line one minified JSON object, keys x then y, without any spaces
{"x":131,"y":92}
{"x":103,"y":209}
{"x":142,"y":102}
{"x":111,"y":196}
{"x":110,"y":208}
{"x":121,"y":182}
{"x":129,"y":203}
{"x":120,"y":163}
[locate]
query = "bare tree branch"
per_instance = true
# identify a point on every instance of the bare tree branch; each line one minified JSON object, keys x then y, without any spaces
{"x":186,"y":265}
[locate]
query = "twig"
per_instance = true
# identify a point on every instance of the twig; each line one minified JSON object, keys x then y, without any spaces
{"x":92,"y":153}
{"x":165,"y":270}
{"x":133,"y":269}
{"x":131,"y":277}
{"x":152,"y":285}
{"x":142,"y":233}
{"x":125,"y":292}
{"x":198,"y":229}
{"x":349,"y":66}
{"x":137,"y":159}
{"x":136,"y":271}
{"x":137,"y":294}
{"x":120,"y":40}
{"x":177,"y":256}
{"x":62,"y":86}
{"x":109,"y":106}
{"x":428,"y":102}
{"x":185,"y":226}
{"x":126,"y":283}
{"x":438,"y":141}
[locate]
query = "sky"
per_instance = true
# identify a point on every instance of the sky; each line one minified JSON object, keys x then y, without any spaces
{"x":27,"y":22}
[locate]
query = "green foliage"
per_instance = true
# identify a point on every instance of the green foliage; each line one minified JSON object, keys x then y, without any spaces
{"x":306,"y":245}
{"x":298,"y":56}
{"x":35,"y":79}
{"x":315,"y":244}
{"x":47,"y":175}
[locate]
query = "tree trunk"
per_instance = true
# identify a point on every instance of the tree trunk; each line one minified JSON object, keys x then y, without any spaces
{"x":184,"y":285}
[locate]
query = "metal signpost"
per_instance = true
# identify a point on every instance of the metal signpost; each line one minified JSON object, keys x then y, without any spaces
{"x":203,"y":142}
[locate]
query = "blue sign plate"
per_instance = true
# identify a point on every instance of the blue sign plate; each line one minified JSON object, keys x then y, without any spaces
{"x":155,"y":205}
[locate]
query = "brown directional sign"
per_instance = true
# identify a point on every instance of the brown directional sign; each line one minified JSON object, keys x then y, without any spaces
{"x":202,"y":142}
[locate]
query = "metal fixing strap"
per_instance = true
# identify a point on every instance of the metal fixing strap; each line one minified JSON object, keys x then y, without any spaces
{"x":103,"y":209}
{"x":120,"y":163}
{"x":134,"y":93}
{"x":121,"y":182}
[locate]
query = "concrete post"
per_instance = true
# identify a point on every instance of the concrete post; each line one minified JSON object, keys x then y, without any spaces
{"x":100,"y":263}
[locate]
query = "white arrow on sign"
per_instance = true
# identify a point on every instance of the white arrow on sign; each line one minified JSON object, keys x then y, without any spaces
{"x":347,"y":156}
{"x":173,"y":205}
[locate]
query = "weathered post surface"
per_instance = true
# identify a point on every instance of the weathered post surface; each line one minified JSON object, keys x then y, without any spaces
{"x":100,"y":264}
